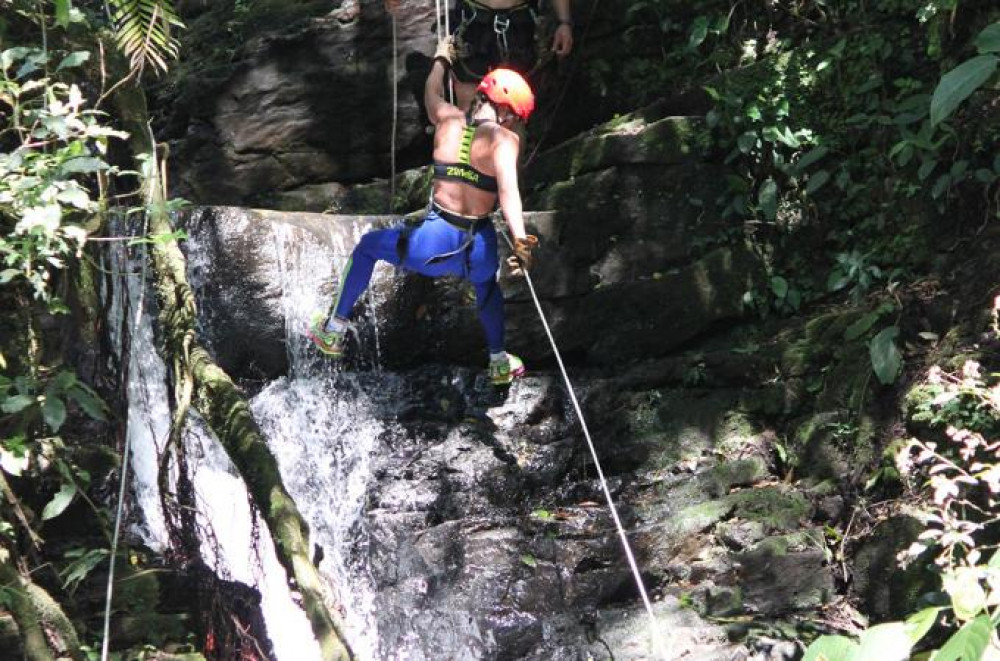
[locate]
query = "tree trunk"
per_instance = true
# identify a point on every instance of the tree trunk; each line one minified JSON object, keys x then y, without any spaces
{"x":221,"y":403}
{"x":27,"y":617}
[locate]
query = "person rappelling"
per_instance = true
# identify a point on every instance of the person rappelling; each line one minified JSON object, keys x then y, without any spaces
{"x":475,"y":159}
{"x":492,"y":34}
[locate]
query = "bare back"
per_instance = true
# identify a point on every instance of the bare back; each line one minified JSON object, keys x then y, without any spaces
{"x":456,"y":196}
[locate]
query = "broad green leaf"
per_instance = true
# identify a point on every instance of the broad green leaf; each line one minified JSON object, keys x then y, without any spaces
{"x":968,"y":598}
{"x":832,"y":648}
{"x":985,"y":176}
{"x":76,"y":197}
{"x":968,"y":643}
{"x":59,"y":502}
{"x":62,"y":381}
{"x":811,"y":157}
{"x":918,"y":624}
{"x":940,"y":186}
{"x":958,"y":84}
{"x":746,"y":142}
{"x":926,"y":168}
{"x":885,"y":357}
{"x":54,"y":412}
{"x":988,"y":41}
{"x":84,"y":164}
{"x":81,"y":565}
{"x":884,"y":641}
{"x":861,"y":326}
{"x":779,"y":286}
{"x":89,"y":402}
{"x":816,"y":181}
{"x":529,"y":560}
{"x":62,"y":13}
{"x":7,"y":275}
{"x":699,"y":30}
{"x":74,"y":59}
{"x":768,"y":199}
{"x":994,"y":562}
{"x":17,"y":403}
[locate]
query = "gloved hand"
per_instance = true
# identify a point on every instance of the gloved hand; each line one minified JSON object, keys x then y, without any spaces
{"x":521,"y":260}
{"x":446,"y":50}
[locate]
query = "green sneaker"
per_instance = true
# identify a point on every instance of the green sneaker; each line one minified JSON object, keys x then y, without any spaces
{"x":505,"y":370}
{"x":329,"y":342}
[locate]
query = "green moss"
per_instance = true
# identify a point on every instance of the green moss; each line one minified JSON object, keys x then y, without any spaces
{"x":776,"y":507}
{"x":742,"y":472}
{"x":699,"y":517}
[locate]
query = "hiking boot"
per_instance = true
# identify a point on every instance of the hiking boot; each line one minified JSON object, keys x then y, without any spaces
{"x":504,"y":370}
{"x":329,"y":342}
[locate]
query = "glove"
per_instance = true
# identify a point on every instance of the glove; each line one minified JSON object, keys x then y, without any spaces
{"x":446,"y":50}
{"x":521,"y":260}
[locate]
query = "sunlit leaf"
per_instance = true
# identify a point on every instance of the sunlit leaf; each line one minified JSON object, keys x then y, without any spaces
{"x":62,"y":13}
{"x":884,"y":641}
{"x":59,"y":502}
{"x":918,"y":624}
{"x":74,"y":59}
{"x":831,"y":648}
{"x":968,"y":643}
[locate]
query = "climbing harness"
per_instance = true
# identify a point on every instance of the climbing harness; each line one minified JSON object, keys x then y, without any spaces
{"x":661,"y":647}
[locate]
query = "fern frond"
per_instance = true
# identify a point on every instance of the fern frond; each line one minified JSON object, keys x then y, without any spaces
{"x":143,"y":32}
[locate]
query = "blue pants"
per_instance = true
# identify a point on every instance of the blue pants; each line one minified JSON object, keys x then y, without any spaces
{"x":433,"y":237}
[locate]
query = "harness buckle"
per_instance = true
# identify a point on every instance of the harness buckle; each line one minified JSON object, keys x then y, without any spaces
{"x":500,"y":23}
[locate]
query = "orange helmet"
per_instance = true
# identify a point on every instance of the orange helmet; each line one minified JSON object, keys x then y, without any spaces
{"x":506,"y":87}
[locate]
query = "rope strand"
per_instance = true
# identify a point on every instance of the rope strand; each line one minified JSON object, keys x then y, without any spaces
{"x":660,"y":646}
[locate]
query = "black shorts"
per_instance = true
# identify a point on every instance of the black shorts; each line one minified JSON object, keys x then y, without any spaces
{"x":481,"y":48}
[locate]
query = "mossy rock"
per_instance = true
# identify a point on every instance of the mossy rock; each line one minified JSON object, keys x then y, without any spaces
{"x":886,"y":590}
{"x":778,"y":508}
{"x":740,"y":473}
{"x":829,"y":446}
{"x":696,"y":518}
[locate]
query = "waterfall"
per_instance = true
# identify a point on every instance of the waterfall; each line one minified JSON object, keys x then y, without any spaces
{"x":328,"y":428}
{"x":240,"y":547}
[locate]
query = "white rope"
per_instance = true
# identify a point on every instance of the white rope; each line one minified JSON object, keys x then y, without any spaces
{"x":128,"y":446}
{"x":660,"y":646}
{"x":125,"y":459}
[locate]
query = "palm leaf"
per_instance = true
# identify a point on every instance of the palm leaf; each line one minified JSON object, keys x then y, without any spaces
{"x":143,"y":32}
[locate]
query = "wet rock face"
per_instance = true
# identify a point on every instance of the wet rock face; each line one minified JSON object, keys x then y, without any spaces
{"x":489,"y":545}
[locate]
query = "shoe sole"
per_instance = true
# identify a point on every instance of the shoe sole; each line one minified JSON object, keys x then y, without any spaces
{"x":516,"y":374}
{"x":319,"y":344}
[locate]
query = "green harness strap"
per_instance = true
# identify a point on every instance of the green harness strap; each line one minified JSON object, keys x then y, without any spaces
{"x":465,"y":149}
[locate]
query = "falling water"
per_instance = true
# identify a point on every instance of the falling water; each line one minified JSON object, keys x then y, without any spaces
{"x":326,"y":427}
{"x":220,"y":493}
